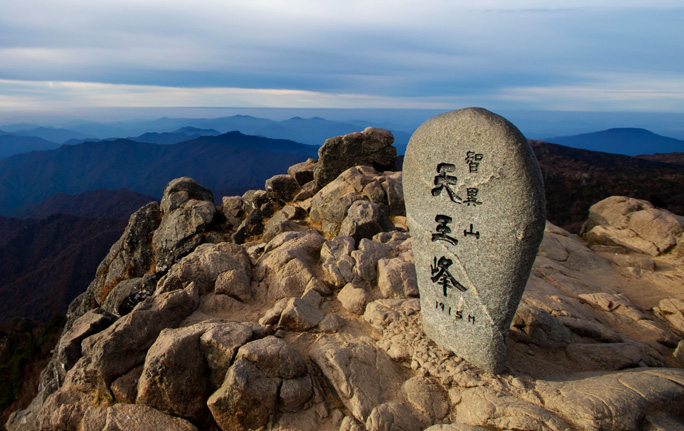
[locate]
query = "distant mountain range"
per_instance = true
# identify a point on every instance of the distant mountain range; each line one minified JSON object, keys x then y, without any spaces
{"x":229,"y":164}
{"x":628,"y":141}
{"x":311,"y":131}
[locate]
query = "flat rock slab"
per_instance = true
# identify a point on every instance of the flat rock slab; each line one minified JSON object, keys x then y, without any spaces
{"x":476,"y":211}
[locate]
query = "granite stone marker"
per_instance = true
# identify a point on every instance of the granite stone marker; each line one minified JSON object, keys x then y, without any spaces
{"x":476,"y":210}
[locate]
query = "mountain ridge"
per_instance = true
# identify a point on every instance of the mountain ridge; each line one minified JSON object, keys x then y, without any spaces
{"x":623,"y":140}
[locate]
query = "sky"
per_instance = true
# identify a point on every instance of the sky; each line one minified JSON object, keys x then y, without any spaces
{"x":584,"y":55}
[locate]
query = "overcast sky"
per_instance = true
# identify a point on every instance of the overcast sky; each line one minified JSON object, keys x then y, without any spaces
{"x":591,"y":55}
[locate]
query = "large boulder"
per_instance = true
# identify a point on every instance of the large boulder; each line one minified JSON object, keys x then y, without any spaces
{"x":204,"y":266}
{"x":267,"y":376}
{"x":635,"y":225}
{"x":372,"y":147}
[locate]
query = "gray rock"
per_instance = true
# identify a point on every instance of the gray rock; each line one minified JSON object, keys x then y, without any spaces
{"x":354,"y":298}
{"x":125,"y":388}
{"x":122,"y":346}
{"x":337,"y":262}
{"x":181,"y":190}
{"x":353,"y":367}
{"x":672,"y":309}
{"x":219,"y":345}
{"x":64,"y":410}
{"x":365,"y":219}
{"x":475,"y":208}
{"x":129,"y":417}
{"x":397,"y":278}
{"x":175,"y":377}
{"x":633,"y":224}
{"x":427,"y":397}
{"x":303,"y":172}
{"x":615,"y":400}
{"x":392,"y":416}
{"x":267,"y":375}
{"x":372,"y":147}
{"x":282,"y":187}
{"x":287,"y":264}
{"x":537,"y":326}
{"x":366,"y":259}
{"x":233,"y":211}
{"x":69,"y":345}
{"x":204,"y":266}
{"x":129,"y":293}
{"x":178,"y":233}
{"x":299,"y":315}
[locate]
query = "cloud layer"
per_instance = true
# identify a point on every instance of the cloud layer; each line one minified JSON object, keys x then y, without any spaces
{"x":372,"y":53}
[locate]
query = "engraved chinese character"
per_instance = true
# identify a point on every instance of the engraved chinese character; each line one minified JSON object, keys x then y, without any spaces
{"x":473,"y":159}
{"x":443,"y":230}
{"x":442,"y":276}
{"x":471,"y":199}
{"x":444,"y":181}
{"x":470,"y":232}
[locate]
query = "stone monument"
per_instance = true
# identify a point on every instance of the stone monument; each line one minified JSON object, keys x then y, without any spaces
{"x":476,"y":210}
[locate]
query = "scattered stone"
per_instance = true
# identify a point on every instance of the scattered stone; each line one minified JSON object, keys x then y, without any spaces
{"x":428,"y":399}
{"x":267,"y":373}
{"x":365,"y":219}
{"x":175,"y":378}
{"x":220,"y":343}
{"x":672,"y":309}
{"x":129,"y":293}
{"x":182,"y":190}
{"x":282,"y":187}
{"x":366,"y":259}
{"x":299,"y":315}
{"x":331,"y":323}
{"x":303,"y":172}
{"x":475,"y":207}
{"x":392,"y":416}
{"x":233,"y":211}
{"x":397,"y":278}
{"x":353,"y":368}
{"x":178,"y":233}
{"x":204,"y":265}
{"x":337,"y":261}
{"x":372,"y":147}
{"x":69,"y":345}
{"x":125,"y":388}
{"x":354,"y":298}
{"x":129,"y":417}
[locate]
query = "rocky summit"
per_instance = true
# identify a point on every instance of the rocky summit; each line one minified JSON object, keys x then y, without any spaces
{"x":296,"y":308}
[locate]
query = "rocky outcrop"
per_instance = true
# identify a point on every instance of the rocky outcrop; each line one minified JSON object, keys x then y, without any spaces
{"x":372,"y":147}
{"x":298,"y":327}
{"x":635,"y":225}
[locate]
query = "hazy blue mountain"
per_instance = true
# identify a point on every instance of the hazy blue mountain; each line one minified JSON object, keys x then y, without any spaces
{"x":11,"y":144}
{"x":52,"y":134}
{"x":312,"y":131}
{"x":227,"y":164}
{"x":629,"y":141}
